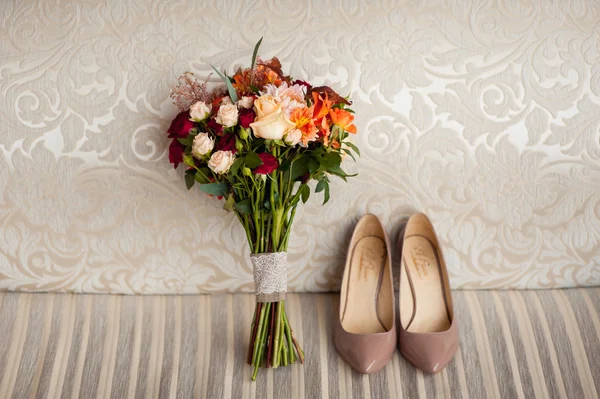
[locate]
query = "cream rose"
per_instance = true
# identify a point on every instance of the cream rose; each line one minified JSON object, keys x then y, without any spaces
{"x":245,"y":102}
{"x":226,"y":100}
{"x":273,"y":126}
{"x":202,"y":145}
{"x":227,"y":115}
{"x":221,"y":161}
{"x":200,"y":111}
{"x":266,"y":105}
{"x":293,"y":137}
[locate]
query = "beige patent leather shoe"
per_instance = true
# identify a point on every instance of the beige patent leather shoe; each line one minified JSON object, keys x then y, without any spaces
{"x":428,"y":336}
{"x":365,"y":329}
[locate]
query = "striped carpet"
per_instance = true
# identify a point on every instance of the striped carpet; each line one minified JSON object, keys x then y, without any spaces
{"x":514,"y":344}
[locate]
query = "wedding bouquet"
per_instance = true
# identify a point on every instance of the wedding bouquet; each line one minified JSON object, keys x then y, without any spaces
{"x":257,"y":142}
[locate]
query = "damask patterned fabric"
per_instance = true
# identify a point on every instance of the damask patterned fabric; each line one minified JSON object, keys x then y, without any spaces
{"x":483,"y":114}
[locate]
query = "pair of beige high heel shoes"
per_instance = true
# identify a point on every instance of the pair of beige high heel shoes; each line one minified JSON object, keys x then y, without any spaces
{"x":365,"y":332}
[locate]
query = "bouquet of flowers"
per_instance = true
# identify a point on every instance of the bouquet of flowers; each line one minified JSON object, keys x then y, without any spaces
{"x":257,"y":142}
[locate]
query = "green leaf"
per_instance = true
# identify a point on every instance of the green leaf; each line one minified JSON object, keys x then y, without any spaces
{"x":215,"y":188}
{"x":323,"y":185}
{"x":338,"y":171}
{"x":186,"y":141}
{"x":320,"y":185}
{"x":305,"y":194}
{"x":285,"y":165}
{"x":244,"y":206}
{"x":347,"y":151}
{"x":201,"y":178}
{"x":330,"y":161}
{"x":267,"y":205}
{"x":252,"y":160}
{"x":279,"y":143}
{"x":229,"y":204}
{"x":326,"y":195}
{"x":255,"y":53}
{"x":313,"y":165}
{"x":355,"y":148}
{"x":236,"y":166}
{"x":230,"y":89}
{"x":189,"y":178}
{"x":299,"y":167}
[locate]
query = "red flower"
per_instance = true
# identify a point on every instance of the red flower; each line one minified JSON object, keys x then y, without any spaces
{"x":175,"y":153}
{"x":269,"y":164}
{"x":302,"y":83}
{"x":226,"y":143}
{"x":215,"y":127}
{"x":247,"y":117}
{"x":181,"y":125}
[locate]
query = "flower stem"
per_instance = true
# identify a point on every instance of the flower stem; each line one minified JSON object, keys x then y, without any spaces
{"x":253,"y":331}
{"x":272,"y":340}
{"x":259,"y":343}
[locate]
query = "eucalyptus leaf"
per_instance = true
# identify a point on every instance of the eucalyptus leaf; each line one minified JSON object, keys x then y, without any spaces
{"x":230,"y":88}
{"x":217,"y":189}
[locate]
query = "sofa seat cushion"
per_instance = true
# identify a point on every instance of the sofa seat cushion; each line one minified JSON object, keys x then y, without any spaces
{"x":513,"y":344}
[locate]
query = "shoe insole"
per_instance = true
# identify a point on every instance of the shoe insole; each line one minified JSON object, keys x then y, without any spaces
{"x":422,"y":270}
{"x":367,"y":265}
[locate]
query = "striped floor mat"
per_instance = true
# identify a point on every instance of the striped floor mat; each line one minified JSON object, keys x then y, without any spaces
{"x":514,"y":344}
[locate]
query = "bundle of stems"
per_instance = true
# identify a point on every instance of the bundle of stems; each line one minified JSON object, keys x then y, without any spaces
{"x":271,"y":206}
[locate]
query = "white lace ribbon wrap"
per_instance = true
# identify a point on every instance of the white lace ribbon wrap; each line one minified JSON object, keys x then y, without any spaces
{"x":270,"y":276}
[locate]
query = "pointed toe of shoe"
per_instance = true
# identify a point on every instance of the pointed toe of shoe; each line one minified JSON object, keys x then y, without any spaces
{"x":429,"y":352}
{"x":430,"y":365}
{"x":366,"y":353}
{"x":363,"y":363}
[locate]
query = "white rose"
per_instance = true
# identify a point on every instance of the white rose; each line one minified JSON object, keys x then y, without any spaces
{"x":221,"y":161}
{"x":246,"y":102}
{"x":293,"y":137}
{"x":202,"y":145}
{"x":200,"y":111}
{"x":273,"y":126}
{"x":227,"y":115}
{"x":226,"y":100}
